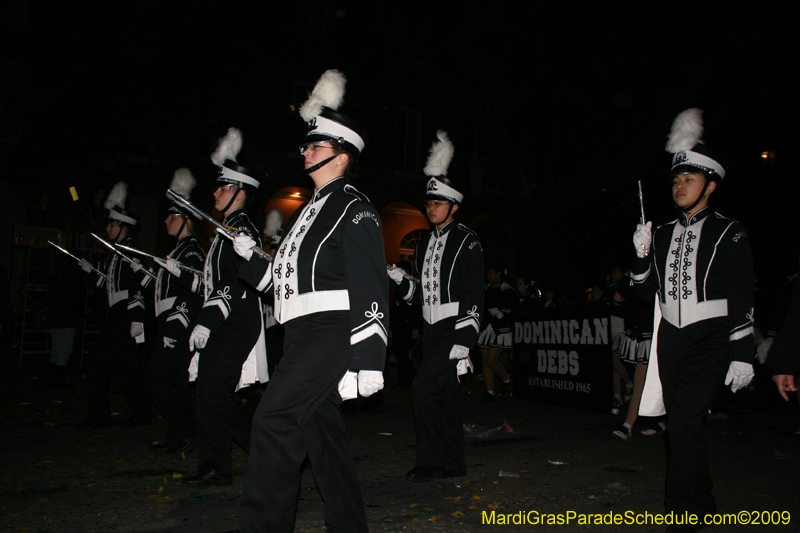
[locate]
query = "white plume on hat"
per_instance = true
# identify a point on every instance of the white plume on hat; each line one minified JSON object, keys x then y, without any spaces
{"x":228,"y":147}
{"x":441,"y":155}
{"x":183,"y":182}
{"x":328,"y":92}
{"x":117,"y":196}
{"x":274,"y":223}
{"x":687,"y":130}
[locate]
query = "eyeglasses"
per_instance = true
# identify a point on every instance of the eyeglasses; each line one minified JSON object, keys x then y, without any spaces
{"x":313,"y":148}
{"x":434,"y":203}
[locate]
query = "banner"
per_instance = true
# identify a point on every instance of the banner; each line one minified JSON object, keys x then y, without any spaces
{"x":563,"y":356}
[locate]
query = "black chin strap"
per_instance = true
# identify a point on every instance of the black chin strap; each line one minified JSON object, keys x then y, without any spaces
{"x":183,"y":224}
{"x":119,"y":234}
{"x":229,"y":203}
{"x":319,"y":165}
{"x":699,"y":198}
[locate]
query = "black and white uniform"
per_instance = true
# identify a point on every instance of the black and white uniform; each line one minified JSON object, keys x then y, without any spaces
{"x":496,"y":332}
{"x":177,"y":302}
{"x":702,"y":271}
{"x":450,"y":290}
{"x":234,"y":353}
{"x":115,"y":347}
{"x":331,"y":294}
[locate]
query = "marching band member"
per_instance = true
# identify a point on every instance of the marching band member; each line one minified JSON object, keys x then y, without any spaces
{"x":116,"y":346}
{"x":450,"y":265}
{"x":229,"y":334}
{"x":331,"y":294}
{"x":177,"y":302}
{"x":700,"y":268}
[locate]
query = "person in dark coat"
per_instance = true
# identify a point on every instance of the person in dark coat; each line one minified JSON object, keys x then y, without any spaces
{"x":449,"y":262}
{"x":228,"y":338}
{"x":177,"y":301}
{"x":700,"y":269}
{"x":116,"y":345}
{"x":331,"y":294}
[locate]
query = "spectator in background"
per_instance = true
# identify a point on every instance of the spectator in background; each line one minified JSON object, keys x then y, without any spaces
{"x":501,"y":302}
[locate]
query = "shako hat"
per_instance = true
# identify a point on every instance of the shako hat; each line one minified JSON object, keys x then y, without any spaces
{"x":231,"y":172}
{"x":182,"y":183}
{"x":325,"y":123}
{"x":115,"y":203}
{"x":686,"y":142}
{"x":439,"y":186}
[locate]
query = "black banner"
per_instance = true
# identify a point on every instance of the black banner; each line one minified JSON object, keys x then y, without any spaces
{"x":563,"y":356}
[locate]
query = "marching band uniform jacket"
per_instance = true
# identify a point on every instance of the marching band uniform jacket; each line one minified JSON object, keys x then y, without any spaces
{"x":178,"y":299}
{"x":451,"y":270}
{"x":329,"y":260}
{"x":702,"y":270}
{"x":121,"y":286}
{"x":450,"y":265}
{"x":232,"y":309}
{"x":331,"y":293}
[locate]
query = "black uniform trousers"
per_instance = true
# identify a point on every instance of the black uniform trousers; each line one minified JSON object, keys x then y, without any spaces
{"x":222,"y":418}
{"x":116,"y":349}
{"x":300,"y":416}
{"x":692,"y":363}
{"x":168,"y":380}
{"x":437,"y":414}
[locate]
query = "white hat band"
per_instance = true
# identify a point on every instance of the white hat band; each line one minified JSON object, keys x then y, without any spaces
{"x":695,"y":159}
{"x":231,"y":175}
{"x":331,"y":128}
{"x":116,"y":215}
{"x":438,"y":188}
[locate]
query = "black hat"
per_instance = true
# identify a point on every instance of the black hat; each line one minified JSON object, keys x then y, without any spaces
{"x":691,"y":155}
{"x":325,"y":123}
{"x":182,"y":184}
{"x":439,"y":186}
{"x":231,"y":172}
{"x":115,"y":203}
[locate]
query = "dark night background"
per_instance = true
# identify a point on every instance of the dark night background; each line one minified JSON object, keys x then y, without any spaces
{"x":556,"y":110}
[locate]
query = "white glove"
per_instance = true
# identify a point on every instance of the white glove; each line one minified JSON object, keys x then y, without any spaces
{"x":369,"y":382}
{"x":348,"y":385}
{"x":464,"y":366}
{"x":395,"y":273}
{"x":243,"y":245}
{"x":199,"y":337}
{"x":739,"y":375}
{"x":171,"y":266}
{"x":495,"y":312}
{"x":642,"y":238}
{"x":459,"y":352}
{"x":85,"y":265}
{"x":136,"y":265}
{"x":763,"y":350}
{"x":137,"y":328}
